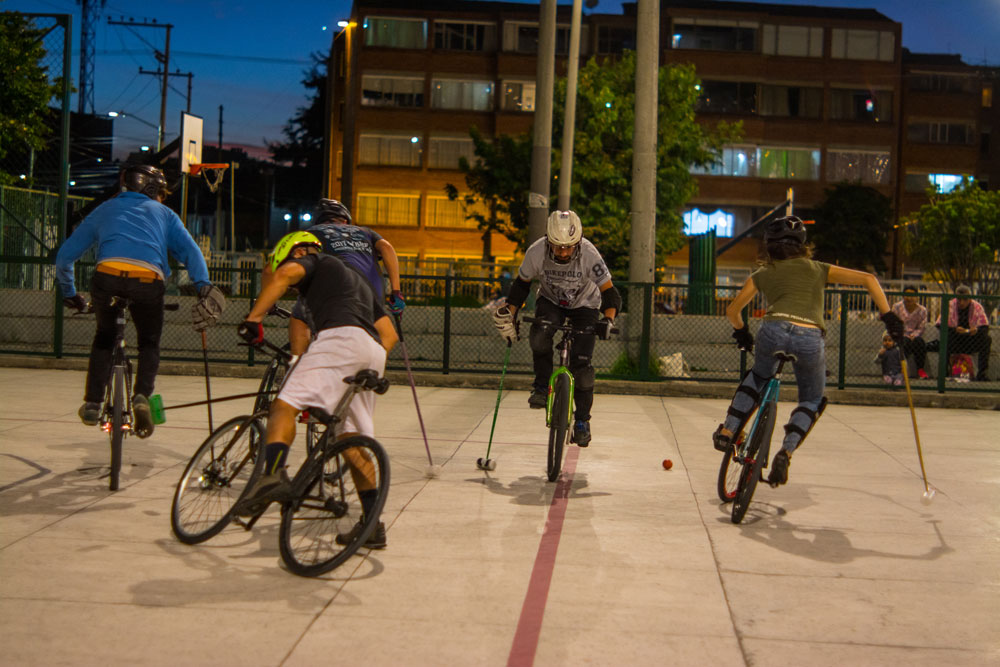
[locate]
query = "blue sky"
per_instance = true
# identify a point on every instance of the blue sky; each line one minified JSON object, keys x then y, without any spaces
{"x":250,"y":55}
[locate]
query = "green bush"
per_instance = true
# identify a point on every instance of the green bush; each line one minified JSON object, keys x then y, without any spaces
{"x":628,"y":366}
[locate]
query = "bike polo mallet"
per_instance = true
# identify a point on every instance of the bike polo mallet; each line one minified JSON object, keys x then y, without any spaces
{"x":487,"y":463}
{"x":208,"y":386}
{"x":929,"y":491}
{"x":432,"y":470}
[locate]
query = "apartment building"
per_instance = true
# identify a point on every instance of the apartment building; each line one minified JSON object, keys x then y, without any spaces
{"x":825,"y":95}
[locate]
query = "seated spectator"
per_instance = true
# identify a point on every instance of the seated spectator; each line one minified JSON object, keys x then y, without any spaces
{"x":891,"y":358}
{"x":968,"y":329}
{"x":914,"y":318}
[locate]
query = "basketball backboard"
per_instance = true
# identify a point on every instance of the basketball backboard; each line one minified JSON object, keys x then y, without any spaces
{"x":191,"y":135}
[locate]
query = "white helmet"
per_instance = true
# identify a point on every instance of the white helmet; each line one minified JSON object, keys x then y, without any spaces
{"x":564,"y":229}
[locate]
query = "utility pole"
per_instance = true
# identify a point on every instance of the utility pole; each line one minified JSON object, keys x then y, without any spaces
{"x":541,"y":149}
{"x":178,"y":72}
{"x":164,"y":59}
{"x":642,"y":249}
{"x":569,"y":122}
{"x":90,"y":11}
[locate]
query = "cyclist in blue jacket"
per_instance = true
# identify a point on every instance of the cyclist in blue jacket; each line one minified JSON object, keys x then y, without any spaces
{"x":132,"y":234}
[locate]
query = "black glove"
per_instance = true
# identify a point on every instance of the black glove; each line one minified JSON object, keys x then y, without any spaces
{"x":603,"y":328}
{"x":251,"y":332}
{"x":893,"y":325}
{"x":210,"y":305}
{"x":744,"y":339}
{"x":76,"y":302}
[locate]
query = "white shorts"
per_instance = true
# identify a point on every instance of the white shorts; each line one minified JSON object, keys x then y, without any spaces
{"x":317,"y":380}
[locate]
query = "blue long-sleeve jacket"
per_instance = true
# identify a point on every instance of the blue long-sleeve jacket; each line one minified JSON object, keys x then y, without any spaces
{"x":136,"y":229}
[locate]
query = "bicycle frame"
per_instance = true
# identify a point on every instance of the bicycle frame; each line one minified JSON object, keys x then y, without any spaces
{"x":561,"y":370}
{"x":771,"y":392}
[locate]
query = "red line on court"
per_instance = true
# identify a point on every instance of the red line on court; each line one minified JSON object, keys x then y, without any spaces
{"x":529,"y":626}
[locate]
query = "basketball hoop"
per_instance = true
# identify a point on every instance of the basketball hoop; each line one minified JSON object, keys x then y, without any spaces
{"x":212,"y":172}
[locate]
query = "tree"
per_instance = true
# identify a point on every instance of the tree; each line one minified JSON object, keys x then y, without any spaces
{"x":601,"y":191}
{"x":499,"y":179}
{"x":299,"y":176}
{"x":602,"y":169}
{"x":852,"y":227}
{"x":24,"y":104}
{"x":956,"y":237}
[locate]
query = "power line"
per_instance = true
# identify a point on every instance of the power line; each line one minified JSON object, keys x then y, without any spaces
{"x":214,"y":56}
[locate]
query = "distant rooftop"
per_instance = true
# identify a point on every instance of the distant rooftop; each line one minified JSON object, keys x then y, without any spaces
{"x":805,"y":11}
{"x":939,"y":59}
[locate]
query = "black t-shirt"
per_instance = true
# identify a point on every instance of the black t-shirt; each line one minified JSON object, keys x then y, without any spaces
{"x":337,"y":295}
{"x":963,"y":316}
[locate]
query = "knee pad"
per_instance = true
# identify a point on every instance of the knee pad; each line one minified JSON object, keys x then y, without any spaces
{"x":813,"y":417}
{"x":583,"y":373}
{"x":752,"y":392}
{"x":540,"y":338}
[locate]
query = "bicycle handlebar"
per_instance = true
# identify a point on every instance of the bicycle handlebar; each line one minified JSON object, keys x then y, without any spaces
{"x":568,"y":328}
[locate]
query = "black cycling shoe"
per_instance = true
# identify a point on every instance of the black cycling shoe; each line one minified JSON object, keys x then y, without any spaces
{"x":581,"y":433}
{"x":376,"y":540}
{"x":779,"y":468}
{"x":90,"y":413}
{"x":723,"y":443}
{"x":267,"y":490}
{"x":538,"y":399}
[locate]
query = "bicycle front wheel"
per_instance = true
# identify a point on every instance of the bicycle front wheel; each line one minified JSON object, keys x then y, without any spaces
{"x":729,"y":474}
{"x":274,"y":376}
{"x":327,"y":522}
{"x":558,"y":425}
{"x":215,"y":478}
{"x":117,"y":431}
{"x":753,"y":460}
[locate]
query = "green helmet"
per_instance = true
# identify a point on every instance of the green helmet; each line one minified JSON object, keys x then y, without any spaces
{"x":290,"y":242}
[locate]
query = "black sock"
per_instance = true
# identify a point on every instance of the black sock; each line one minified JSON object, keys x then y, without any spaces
{"x":275,"y":454}
{"x":368,"y":499}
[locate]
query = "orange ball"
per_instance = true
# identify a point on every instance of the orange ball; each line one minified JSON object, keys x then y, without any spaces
{"x":667,"y":464}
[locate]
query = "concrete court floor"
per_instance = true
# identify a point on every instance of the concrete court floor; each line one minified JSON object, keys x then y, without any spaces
{"x":618,"y":563}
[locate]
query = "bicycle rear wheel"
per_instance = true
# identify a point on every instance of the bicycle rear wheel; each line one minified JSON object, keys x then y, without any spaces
{"x":729,"y":474}
{"x":558,"y":426}
{"x":753,"y":460}
{"x":326,"y":524}
{"x":117,"y":431}
{"x":215,"y":478}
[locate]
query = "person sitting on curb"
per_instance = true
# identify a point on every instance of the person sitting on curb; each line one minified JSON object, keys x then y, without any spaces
{"x":914,"y":317}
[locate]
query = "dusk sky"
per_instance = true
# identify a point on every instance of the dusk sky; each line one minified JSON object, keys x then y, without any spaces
{"x":250,"y":55}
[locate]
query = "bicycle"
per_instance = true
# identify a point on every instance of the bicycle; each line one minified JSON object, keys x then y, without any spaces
{"x":274,"y":374}
{"x":559,"y":404}
{"x":323,"y":524}
{"x":116,"y":410}
{"x":742,"y":464}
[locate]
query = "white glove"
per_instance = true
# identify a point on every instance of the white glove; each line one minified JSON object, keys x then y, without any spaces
{"x":503,"y":320}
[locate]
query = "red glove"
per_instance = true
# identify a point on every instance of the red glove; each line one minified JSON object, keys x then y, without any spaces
{"x":251,"y":332}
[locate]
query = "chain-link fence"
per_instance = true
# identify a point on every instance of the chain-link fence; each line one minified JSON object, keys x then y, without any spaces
{"x":668,"y":331}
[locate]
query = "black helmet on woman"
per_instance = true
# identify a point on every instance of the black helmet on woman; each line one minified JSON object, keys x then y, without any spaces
{"x":146,"y":179}
{"x":789,"y":229}
{"x":331,"y":210}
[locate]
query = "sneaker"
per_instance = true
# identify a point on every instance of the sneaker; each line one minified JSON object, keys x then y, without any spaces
{"x":921,"y":373}
{"x":722,"y":442}
{"x":143,"y":417}
{"x":90,"y":413}
{"x":375,"y":541}
{"x":268,"y":489}
{"x":779,"y":469}
{"x":581,"y":433}
{"x":538,"y":399}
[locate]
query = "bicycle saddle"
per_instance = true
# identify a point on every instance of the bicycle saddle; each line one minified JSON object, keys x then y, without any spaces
{"x":369,"y":379}
{"x":781,"y":355}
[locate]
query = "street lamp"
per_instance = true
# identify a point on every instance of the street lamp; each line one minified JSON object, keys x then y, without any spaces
{"x":122,"y":114}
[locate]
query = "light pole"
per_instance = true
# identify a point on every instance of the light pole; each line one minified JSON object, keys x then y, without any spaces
{"x":122,"y":114}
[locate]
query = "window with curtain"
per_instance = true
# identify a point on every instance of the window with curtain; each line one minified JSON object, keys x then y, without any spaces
{"x":399,"y":33}
{"x":867,"y":105}
{"x":444,"y":152}
{"x":473,"y":95}
{"x":443,"y":212}
{"x":791,"y":101}
{"x":790,"y":163}
{"x":461,"y":36}
{"x":388,"y":209}
{"x":518,"y":96}
{"x":392,"y":91}
{"x":727,"y":97}
{"x":389,"y":150}
{"x":856,"y":44}
{"x":870,"y":167}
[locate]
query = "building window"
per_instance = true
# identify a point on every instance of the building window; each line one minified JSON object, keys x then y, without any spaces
{"x":944,"y":183}
{"x":940,"y":133}
{"x":735,"y":161}
{"x":444,"y":152}
{"x":984,"y":144}
{"x":727,"y":97}
{"x":867,"y":105}
{"x":465,"y":36}
{"x":791,"y":101}
{"x":792,"y":40}
{"x":397,"y":33}
{"x":522,"y":37}
{"x":612,"y":40}
{"x":696,"y":222}
{"x":388,"y":209}
{"x":940,"y":83}
{"x":791,"y":163}
{"x":858,"y":165}
{"x":853,"y":44}
{"x":443,"y":212}
{"x":391,"y":91}
{"x":518,"y":96}
{"x":462,"y":94}
{"x":714,"y":35}
{"x":389,"y":150}
{"x":987,"y":95}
